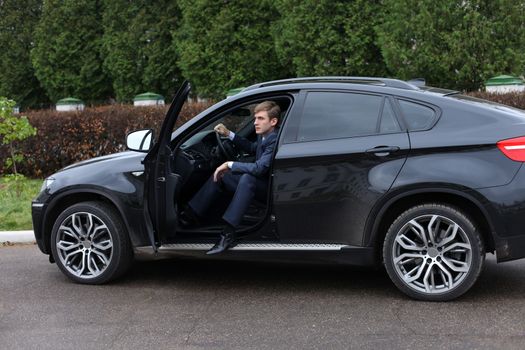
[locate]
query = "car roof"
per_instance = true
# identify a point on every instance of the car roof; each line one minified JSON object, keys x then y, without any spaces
{"x":337,"y":81}
{"x":388,"y":86}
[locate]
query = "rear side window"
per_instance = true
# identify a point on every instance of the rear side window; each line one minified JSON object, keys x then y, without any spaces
{"x":416,"y":116}
{"x":330,"y":115}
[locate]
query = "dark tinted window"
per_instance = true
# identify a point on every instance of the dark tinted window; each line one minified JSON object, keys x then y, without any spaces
{"x":416,"y":116}
{"x":388,"y":119}
{"x":329,"y":115}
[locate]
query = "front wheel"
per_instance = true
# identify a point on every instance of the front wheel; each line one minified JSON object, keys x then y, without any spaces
{"x":90,"y":244}
{"x":433,"y":252}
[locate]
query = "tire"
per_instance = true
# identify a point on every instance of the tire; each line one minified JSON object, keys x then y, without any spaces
{"x":90,"y":243}
{"x":433,"y":252}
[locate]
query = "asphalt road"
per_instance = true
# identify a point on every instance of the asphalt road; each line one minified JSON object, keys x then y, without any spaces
{"x":178,"y":304}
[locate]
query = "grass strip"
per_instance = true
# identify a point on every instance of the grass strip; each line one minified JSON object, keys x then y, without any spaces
{"x":15,"y":204}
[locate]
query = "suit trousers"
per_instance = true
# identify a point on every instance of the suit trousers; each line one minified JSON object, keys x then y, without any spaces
{"x":244,"y":187}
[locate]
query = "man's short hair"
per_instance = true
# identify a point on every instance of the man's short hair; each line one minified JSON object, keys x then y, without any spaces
{"x":272,"y":108}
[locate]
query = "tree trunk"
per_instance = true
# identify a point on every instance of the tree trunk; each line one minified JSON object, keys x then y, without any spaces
{"x":13,"y":157}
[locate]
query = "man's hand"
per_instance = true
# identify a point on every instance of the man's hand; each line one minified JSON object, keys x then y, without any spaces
{"x":220,"y":171}
{"x":221,"y":129}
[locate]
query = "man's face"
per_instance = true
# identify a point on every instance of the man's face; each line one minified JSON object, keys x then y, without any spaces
{"x":263,"y":123}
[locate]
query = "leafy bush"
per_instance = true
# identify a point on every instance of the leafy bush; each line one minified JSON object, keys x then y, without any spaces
{"x":13,"y":128}
{"x":64,"y":138}
{"x":513,"y":99}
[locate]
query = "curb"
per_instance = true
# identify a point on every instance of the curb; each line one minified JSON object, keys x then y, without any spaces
{"x":17,"y":237}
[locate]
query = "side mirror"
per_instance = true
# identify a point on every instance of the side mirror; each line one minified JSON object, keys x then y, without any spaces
{"x":140,"y":140}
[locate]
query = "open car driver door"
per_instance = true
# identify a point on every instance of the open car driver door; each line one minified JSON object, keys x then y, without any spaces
{"x":161,"y":183}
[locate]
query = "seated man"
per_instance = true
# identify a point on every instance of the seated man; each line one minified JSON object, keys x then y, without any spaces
{"x":242,"y":179}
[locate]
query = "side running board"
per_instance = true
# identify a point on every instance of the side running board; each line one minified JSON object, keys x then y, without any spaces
{"x":253,"y":246}
{"x":362,"y":256}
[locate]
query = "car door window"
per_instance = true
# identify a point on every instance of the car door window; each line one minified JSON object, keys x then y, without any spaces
{"x":237,"y":119}
{"x":330,"y":115}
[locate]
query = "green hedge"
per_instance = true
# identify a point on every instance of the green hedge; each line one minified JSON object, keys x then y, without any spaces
{"x":64,"y":138}
{"x":513,"y":99}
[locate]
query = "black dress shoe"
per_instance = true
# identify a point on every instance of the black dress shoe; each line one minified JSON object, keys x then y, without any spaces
{"x":227,"y":240}
{"x":188,"y":218}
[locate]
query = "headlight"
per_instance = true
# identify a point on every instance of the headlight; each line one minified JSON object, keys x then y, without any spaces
{"x":47,"y":183}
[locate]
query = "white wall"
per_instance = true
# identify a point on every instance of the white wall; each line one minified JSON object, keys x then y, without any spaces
{"x":67,"y":108}
{"x":501,"y":89}
{"x":148,"y":103}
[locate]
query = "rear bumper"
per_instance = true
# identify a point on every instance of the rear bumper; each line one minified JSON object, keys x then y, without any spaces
{"x":511,"y":248}
{"x":505,"y":206}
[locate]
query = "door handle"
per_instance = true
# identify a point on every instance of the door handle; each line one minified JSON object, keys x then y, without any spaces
{"x":382,"y":151}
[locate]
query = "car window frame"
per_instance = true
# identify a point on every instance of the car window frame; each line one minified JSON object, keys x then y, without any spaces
{"x":217,"y":114}
{"x":396,"y":119}
{"x":294,"y":121}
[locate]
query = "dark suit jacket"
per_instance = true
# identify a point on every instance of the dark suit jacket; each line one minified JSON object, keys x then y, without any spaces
{"x":263,"y":154}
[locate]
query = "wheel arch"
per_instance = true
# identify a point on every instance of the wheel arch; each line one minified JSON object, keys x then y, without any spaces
{"x":378,"y":224}
{"x":65,"y":200}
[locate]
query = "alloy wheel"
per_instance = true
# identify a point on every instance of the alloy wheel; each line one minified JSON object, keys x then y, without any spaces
{"x":84,"y":245}
{"x":432,"y":254}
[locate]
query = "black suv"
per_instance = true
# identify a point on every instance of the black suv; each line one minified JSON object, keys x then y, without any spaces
{"x":367,"y":171}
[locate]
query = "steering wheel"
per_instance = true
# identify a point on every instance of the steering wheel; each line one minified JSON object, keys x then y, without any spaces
{"x":226,"y":151}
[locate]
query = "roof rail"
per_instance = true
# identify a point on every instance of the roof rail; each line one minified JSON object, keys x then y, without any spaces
{"x":395,"y":83}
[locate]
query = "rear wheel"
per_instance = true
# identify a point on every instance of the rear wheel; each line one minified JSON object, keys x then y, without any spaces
{"x":433,"y":252}
{"x":90,"y":244}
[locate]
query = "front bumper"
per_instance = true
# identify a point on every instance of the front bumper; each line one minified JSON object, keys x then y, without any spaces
{"x":37,"y":212}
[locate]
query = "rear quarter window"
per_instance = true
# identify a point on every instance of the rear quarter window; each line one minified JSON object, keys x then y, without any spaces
{"x":416,"y":116}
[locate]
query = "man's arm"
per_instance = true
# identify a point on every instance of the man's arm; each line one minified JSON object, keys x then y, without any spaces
{"x":261,"y":166}
{"x":244,"y":144}
{"x":239,"y":141}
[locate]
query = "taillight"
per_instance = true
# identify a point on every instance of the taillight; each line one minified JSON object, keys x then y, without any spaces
{"x":513,"y":148}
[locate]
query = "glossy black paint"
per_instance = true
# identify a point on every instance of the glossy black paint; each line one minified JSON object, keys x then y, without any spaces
{"x":506,"y":208}
{"x":323,"y":190}
{"x":117,"y":179}
{"x":162,"y":183}
{"x":328,"y":191}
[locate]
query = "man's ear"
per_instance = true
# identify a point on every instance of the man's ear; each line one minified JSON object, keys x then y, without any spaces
{"x":274,"y":121}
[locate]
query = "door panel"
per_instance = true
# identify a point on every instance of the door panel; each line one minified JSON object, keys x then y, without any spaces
{"x":324,"y":190}
{"x":160,"y":182}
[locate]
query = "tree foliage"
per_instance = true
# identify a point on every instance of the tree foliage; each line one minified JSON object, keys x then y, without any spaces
{"x":17,"y":78}
{"x":451,"y":43}
{"x":67,"y":54}
{"x":227,"y":44}
{"x":329,"y":37}
{"x":138,"y":46}
{"x":99,"y":49}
